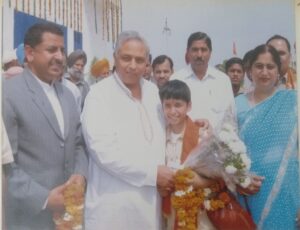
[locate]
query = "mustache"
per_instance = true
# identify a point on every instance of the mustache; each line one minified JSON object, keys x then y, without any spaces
{"x":199,"y":59}
{"x":57,"y":62}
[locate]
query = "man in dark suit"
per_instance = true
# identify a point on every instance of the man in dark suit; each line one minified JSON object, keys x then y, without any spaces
{"x":43,"y":126}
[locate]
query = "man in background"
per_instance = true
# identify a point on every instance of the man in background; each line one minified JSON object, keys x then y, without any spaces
{"x":288,"y":77}
{"x":148,"y":71}
{"x":76,"y":62}
{"x":211,"y":91}
{"x":11,"y":65}
{"x":162,"y":67}
{"x":99,"y":70}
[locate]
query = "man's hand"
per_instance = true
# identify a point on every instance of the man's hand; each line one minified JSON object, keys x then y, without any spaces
{"x":254,"y":187}
{"x":76,"y":179}
{"x":165,"y":178}
{"x":202,"y":123}
{"x":163,"y":192}
{"x":205,"y":129}
{"x":56,"y":199}
{"x":199,"y":182}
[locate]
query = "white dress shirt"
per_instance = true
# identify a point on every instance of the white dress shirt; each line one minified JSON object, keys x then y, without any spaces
{"x":174,"y":149}
{"x":53,"y":99}
{"x":212,"y":97}
{"x":126,"y":143}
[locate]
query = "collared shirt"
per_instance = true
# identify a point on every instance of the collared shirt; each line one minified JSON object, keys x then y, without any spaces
{"x":53,"y":99}
{"x":212,"y":97}
{"x":174,"y":149}
{"x":126,"y":143}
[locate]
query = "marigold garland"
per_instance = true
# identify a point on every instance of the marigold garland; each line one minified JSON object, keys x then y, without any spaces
{"x":72,"y":219}
{"x":187,"y":201}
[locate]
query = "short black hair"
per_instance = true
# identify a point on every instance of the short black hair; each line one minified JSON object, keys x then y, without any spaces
{"x":199,"y":36}
{"x":161,"y":59}
{"x":34,"y":34}
{"x":233,"y":60}
{"x":175,"y":89}
{"x":279,"y":37}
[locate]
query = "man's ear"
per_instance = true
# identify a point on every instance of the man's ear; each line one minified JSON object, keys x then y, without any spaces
{"x":29,"y":51}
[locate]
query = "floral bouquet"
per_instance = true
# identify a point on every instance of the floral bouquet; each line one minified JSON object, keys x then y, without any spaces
{"x":72,"y":218}
{"x":222,"y":155}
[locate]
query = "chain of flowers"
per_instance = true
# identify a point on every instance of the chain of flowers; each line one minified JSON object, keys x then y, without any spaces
{"x":186,"y":200}
{"x":72,"y":219}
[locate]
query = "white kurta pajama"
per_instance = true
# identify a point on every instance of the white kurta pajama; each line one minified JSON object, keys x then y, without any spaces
{"x":126,"y":142}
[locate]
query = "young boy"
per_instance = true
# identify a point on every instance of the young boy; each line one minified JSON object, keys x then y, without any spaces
{"x":182,"y":137}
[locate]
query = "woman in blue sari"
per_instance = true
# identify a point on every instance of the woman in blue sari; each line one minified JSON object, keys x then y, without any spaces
{"x":267,"y":119}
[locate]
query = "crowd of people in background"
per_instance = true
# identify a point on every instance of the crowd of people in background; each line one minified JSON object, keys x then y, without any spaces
{"x":123,"y":130}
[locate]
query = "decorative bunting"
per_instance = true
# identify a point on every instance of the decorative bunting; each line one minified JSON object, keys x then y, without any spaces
{"x":59,"y":2}
{"x":34,"y":7}
{"x":107,"y":19}
{"x":103,"y":20}
{"x":69,"y":13}
{"x":54,"y":11}
{"x":111,"y":19}
{"x":80,"y":11}
{"x":45,"y":9}
{"x":50,"y":7}
{"x":95,"y":15}
{"x":40,"y":9}
{"x":63,"y":12}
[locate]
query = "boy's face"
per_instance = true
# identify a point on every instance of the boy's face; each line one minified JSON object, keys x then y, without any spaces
{"x":175,"y":111}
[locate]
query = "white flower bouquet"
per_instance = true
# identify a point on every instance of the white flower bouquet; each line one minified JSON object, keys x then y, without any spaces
{"x":222,"y":155}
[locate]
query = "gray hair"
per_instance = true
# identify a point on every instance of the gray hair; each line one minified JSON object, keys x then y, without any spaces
{"x":130,"y":35}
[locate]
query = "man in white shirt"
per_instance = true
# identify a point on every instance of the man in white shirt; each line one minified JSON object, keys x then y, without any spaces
{"x":211,"y":90}
{"x":125,"y":137}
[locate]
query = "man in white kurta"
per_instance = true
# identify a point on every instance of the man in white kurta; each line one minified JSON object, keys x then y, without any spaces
{"x":126,"y":141}
{"x":211,"y":90}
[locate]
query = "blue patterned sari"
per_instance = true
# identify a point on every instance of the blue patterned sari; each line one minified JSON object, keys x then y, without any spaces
{"x":269,"y":131}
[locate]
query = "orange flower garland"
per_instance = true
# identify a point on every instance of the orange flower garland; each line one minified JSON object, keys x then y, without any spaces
{"x":72,"y":219}
{"x":186,"y":200}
